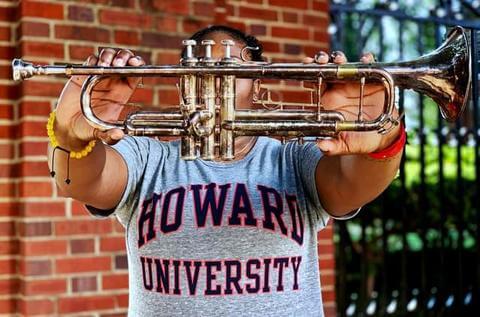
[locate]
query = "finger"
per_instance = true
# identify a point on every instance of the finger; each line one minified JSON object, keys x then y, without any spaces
{"x":338,"y":57}
{"x":121,"y":57}
{"x":110,"y":137}
{"x":333,"y":146}
{"x":90,"y":61}
{"x":106,"y":57}
{"x":367,"y":57}
{"x":327,"y":146}
{"x":136,"y":61}
{"x":308,"y":60}
{"x":322,"y":58}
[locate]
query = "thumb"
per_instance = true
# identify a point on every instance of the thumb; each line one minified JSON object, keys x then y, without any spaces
{"x":328,"y":146}
{"x":110,"y":137}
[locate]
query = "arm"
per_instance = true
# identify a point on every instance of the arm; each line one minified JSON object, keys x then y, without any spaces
{"x":100,"y":178}
{"x":347,"y":178}
{"x":347,"y":182}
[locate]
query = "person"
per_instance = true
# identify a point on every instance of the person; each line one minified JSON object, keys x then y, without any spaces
{"x":212,"y":237}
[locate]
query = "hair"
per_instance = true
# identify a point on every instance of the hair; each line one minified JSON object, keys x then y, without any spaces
{"x":248,"y":40}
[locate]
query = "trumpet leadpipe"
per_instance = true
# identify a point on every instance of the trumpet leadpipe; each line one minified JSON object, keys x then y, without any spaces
{"x":280,"y":128}
{"x":154,"y":115}
{"x":287,"y":115}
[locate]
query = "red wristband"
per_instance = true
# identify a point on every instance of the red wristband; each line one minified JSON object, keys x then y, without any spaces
{"x":393,"y":149}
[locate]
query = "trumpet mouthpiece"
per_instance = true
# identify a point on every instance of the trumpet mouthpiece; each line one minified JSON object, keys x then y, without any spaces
{"x":22,"y":70}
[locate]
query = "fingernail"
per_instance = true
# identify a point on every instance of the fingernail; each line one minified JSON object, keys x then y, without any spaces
{"x":137,"y":59}
{"x":368,"y":56}
{"x":321,"y":57}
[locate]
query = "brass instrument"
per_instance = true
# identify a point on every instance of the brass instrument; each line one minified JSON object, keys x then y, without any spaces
{"x":208,"y":121}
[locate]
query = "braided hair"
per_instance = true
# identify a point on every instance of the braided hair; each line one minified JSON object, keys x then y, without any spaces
{"x":248,"y":40}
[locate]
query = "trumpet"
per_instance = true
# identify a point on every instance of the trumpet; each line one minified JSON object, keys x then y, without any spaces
{"x":208,"y":122}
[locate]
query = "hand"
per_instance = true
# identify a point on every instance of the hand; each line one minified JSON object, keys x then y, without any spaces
{"x":345,"y":97}
{"x":109,"y":96}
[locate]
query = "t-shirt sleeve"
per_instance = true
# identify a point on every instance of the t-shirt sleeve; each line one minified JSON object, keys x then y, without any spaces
{"x":135,"y":152}
{"x":308,"y":156}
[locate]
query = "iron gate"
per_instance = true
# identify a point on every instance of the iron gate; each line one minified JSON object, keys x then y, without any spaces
{"x":414,"y":251}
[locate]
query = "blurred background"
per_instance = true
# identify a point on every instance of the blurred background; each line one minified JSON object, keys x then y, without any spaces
{"x":412,"y":252}
{"x":415,"y":250}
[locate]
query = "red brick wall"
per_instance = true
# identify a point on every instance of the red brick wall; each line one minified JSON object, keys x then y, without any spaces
{"x":54,"y":258}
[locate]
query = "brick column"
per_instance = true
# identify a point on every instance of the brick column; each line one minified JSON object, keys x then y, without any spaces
{"x":9,"y":162}
{"x":54,"y":258}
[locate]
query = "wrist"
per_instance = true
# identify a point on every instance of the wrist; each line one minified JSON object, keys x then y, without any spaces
{"x":76,"y":147}
{"x":67,"y":140}
{"x":392,"y":145}
{"x":390,"y":138}
{"x":72,"y":153}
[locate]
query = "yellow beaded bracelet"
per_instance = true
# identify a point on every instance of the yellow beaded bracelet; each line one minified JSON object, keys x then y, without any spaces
{"x":54,"y":142}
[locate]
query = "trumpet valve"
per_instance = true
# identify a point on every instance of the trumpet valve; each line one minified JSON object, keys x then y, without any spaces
{"x":227,"y":59}
{"x":189,"y":58}
{"x":208,"y":51}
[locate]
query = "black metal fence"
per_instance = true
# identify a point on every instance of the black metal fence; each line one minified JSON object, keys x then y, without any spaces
{"x":414,"y":251}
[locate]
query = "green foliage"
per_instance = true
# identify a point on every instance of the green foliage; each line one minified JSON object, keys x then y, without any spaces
{"x":420,"y":216}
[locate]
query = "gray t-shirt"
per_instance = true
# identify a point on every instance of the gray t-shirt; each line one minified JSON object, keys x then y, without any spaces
{"x":215,"y":239}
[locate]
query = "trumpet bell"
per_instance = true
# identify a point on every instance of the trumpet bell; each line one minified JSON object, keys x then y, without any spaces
{"x":444,"y":75}
{"x":455,"y":61}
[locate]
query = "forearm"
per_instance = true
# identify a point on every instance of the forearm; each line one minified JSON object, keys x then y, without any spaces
{"x":358,"y":179}
{"x":83,"y":173}
{"x":347,"y":182}
{"x":88,"y":175}
{"x":362,"y":178}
